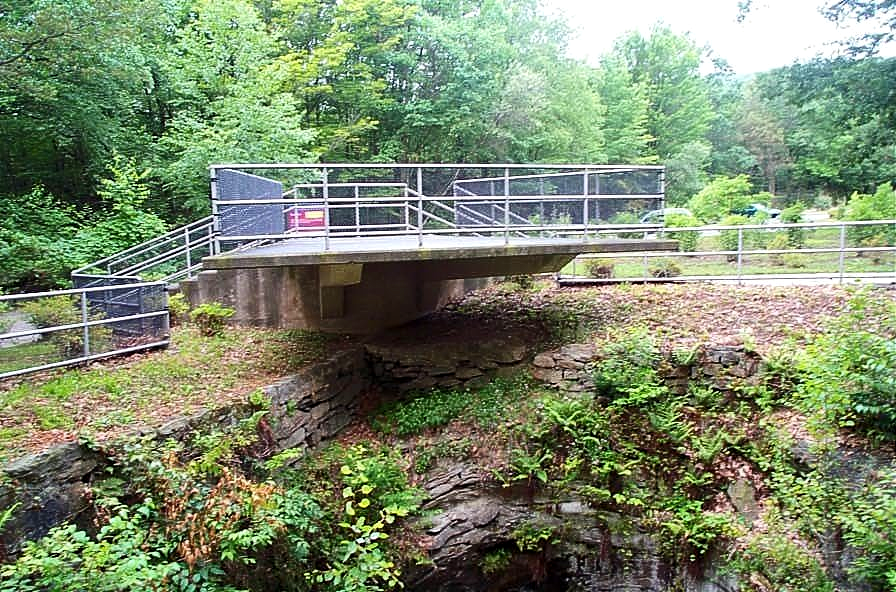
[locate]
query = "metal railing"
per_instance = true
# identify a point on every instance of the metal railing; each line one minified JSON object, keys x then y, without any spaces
{"x":90,"y":324}
{"x":173,"y":256}
{"x":351,"y":200}
{"x":834,"y":250}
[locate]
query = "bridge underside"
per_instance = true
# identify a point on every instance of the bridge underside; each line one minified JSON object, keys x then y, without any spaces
{"x":362,"y":285}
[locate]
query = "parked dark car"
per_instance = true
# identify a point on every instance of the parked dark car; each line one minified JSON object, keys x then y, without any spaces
{"x":757,"y":208}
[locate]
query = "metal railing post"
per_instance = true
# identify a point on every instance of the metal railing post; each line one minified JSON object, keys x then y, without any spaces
{"x":187,"y":248}
{"x":585,"y":207}
{"x":506,"y":206}
{"x":407,"y":213}
{"x":842,"y":250}
{"x":216,"y":220}
{"x":357,"y":211}
{"x":326,"y":191}
{"x":86,"y":328}
{"x":419,"y":217}
{"x":740,"y":254}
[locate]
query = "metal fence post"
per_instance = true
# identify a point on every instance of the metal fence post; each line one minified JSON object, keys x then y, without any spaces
{"x":740,"y":254}
{"x":357,"y":211}
{"x":419,"y":217}
{"x":506,"y":206}
{"x":326,"y":190}
{"x":585,"y":207}
{"x":842,"y":249}
{"x":187,"y":249}
{"x":407,"y":211}
{"x":216,"y":221}
{"x":86,"y":329}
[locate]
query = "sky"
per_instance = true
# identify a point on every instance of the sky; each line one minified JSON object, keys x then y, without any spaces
{"x":774,"y":33}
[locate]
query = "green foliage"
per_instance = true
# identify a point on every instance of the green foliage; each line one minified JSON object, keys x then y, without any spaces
{"x":730,"y":240}
{"x":179,"y":308}
{"x":599,"y":268}
{"x":531,"y":537}
{"x":720,"y":197}
{"x":664,"y":268}
{"x":849,"y":372}
{"x":778,"y":558}
{"x":688,"y":531}
{"x":495,"y":562}
{"x":35,"y":234}
{"x":439,"y":407}
{"x":124,"y":221}
{"x":427,"y":411}
{"x":66,"y":310}
{"x":879,"y":206}
{"x":374,"y":494}
{"x":211,"y":317}
{"x":626,"y":372}
{"x":796,"y":237}
{"x":687,"y":239}
{"x":870,"y":527}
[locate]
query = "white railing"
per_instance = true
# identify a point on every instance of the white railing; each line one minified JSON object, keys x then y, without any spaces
{"x":431,"y":199}
{"x":173,"y":256}
{"x":853,"y":260}
{"x":104,"y":321}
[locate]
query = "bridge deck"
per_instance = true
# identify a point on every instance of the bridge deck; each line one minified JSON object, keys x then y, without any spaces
{"x":385,"y":249}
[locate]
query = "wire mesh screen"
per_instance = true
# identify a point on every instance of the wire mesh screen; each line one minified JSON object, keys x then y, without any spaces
{"x":248,"y":220}
{"x":123,"y":302}
{"x":562,"y":198}
{"x":359,"y":199}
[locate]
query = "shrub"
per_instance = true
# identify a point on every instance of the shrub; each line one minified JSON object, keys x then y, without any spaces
{"x":794,"y":260}
{"x":849,"y":372}
{"x":870,"y":527}
{"x":796,"y":237}
{"x":625,"y":218}
{"x":687,"y":239}
{"x":879,"y":206}
{"x":665,"y":268}
{"x":720,"y":197}
{"x":728,"y":239}
{"x":211,"y":318}
{"x":600,"y":268}
{"x":179,"y":308}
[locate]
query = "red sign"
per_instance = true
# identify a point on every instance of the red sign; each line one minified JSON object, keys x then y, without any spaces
{"x":302,"y":217}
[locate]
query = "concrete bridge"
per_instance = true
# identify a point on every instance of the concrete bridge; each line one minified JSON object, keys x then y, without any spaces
{"x":357,"y":248}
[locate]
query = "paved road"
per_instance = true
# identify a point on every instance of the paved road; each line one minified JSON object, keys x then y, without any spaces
{"x":17,"y":321}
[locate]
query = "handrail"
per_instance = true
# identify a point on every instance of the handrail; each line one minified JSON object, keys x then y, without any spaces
{"x":170,"y":233}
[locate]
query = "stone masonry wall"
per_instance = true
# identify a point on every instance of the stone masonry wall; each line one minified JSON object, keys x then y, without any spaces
{"x":569,"y":368}
{"x":404,"y":367}
{"x":53,"y":486}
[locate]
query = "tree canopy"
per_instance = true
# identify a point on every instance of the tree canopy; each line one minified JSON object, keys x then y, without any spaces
{"x":170,"y":86}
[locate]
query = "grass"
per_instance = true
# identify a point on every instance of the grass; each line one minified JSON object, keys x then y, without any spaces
{"x":795,"y":263}
{"x":27,"y":355}
{"x":439,"y":407}
{"x":103,"y":400}
{"x":633,"y":267}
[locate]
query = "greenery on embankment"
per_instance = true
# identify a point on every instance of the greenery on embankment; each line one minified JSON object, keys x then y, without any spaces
{"x":107,"y":399}
{"x":813,"y":436}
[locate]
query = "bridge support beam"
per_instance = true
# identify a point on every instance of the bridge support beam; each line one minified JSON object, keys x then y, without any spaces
{"x":363,"y":290}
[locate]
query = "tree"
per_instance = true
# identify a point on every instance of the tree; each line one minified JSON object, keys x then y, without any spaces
{"x":680,"y":111}
{"x":763,"y":135}
{"x":626,"y":120}
{"x":69,"y":74}
{"x":668,"y":65}
{"x":882,"y":11}
{"x":721,"y":197}
{"x":230,"y":102}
